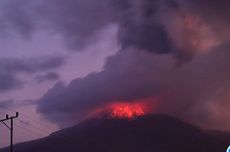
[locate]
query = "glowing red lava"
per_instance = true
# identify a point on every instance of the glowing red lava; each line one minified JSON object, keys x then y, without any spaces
{"x":127,"y":110}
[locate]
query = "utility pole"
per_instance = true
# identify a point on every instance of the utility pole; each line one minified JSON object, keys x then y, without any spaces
{"x":11,"y":128}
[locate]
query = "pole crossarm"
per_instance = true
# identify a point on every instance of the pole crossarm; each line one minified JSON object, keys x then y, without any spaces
{"x":8,"y":118}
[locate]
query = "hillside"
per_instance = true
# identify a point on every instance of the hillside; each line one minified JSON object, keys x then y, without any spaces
{"x":158,"y":133}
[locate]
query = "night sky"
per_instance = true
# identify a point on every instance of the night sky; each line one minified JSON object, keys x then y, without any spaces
{"x":63,"y":61}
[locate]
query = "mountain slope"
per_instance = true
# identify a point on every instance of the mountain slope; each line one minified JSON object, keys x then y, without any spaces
{"x":158,"y":133}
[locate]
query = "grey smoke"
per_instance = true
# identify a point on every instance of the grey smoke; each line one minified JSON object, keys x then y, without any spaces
{"x":6,"y":104}
{"x":10,"y":68}
{"x":49,"y":76}
{"x":145,"y":67}
{"x":152,"y":33}
{"x":144,"y":24}
{"x":189,"y":92}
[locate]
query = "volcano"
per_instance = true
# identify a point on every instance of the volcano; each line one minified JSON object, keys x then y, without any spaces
{"x":150,"y":133}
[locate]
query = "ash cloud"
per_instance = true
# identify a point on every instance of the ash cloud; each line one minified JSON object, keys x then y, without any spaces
{"x":9,"y":82}
{"x":17,"y":16}
{"x":49,"y":76}
{"x":154,"y":36}
{"x":10,"y":68}
{"x":180,"y":27}
{"x":6,"y":104}
{"x":139,"y":27}
{"x":189,"y":92}
{"x":30,"y":65}
{"x":76,"y":20}
{"x":216,"y":12}
{"x":160,"y":27}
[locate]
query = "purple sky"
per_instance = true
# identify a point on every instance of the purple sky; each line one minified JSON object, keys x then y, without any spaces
{"x":77,"y":64}
{"x":61,"y":60}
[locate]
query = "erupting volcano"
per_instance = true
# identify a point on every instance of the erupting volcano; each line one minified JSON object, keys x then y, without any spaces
{"x":127,"y":110}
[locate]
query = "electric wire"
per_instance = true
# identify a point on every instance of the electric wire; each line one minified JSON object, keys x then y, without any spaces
{"x":29,"y":130}
{"x":31,"y":119}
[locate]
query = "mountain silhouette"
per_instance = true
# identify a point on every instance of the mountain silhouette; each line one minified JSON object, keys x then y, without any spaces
{"x":152,"y":133}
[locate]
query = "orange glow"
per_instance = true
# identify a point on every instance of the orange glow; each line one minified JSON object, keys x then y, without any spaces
{"x":127,"y":110}
{"x":200,"y":34}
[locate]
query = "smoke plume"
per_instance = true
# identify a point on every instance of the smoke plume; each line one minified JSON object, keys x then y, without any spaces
{"x":155,"y":36}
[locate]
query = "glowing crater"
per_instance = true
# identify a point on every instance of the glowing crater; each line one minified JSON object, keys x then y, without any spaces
{"x":127,"y":110}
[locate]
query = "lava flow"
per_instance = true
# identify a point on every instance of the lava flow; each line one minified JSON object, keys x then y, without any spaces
{"x":127,"y":110}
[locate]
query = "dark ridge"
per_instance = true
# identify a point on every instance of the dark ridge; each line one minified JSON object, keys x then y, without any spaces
{"x":150,"y":133}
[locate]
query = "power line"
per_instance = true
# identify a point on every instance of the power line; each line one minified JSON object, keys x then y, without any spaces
{"x":50,"y":129}
{"x":35,"y":127}
{"x":11,"y":128}
{"x":39,"y":131}
{"x":31,"y":119}
{"x":29,"y":130}
{"x":27,"y":136}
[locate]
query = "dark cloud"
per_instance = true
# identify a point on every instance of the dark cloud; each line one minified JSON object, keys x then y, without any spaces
{"x":212,"y":11}
{"x":18,"y":16}
{"x":76,"y":20}
{"x":197,"y":91}
{"x":49,"y":76}
{"x":139,"y":27}
{"x":8,"y":81}
{"x":30,"y":65}
{"x":11,"y":67}
{"x":73,"y":19}
{"x":151,"y":34}
{"x":187,"y":92}
{"x":6,"y":104}
{"x":181,"y":27}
